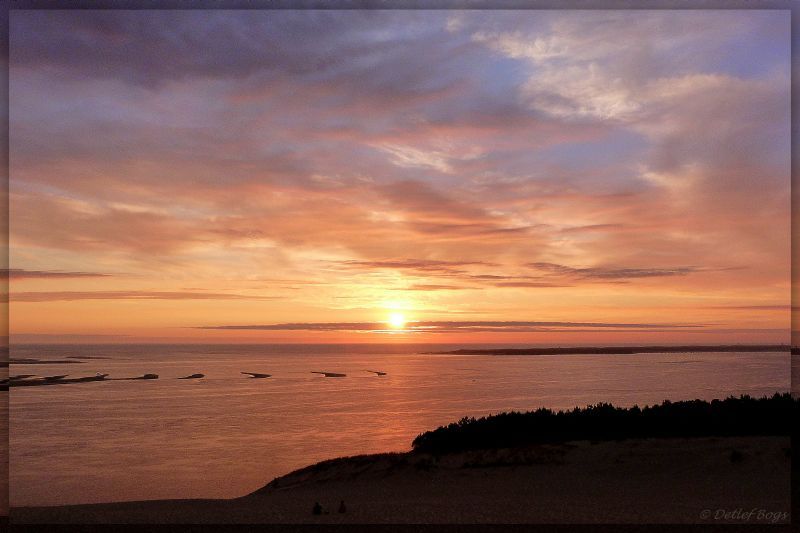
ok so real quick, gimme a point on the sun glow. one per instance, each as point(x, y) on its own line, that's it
point(397, 320)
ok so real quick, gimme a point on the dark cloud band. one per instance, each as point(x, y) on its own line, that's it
point(448, 326)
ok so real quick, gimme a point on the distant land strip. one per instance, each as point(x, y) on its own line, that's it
point(619, 350)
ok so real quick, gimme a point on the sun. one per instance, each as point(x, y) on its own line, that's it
point(397, 320)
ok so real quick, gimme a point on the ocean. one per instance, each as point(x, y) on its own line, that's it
point(226, 435)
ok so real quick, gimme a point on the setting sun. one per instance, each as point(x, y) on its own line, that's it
point(397, 320)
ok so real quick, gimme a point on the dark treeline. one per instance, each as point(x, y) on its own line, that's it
point(620, 350)
point(730, 417)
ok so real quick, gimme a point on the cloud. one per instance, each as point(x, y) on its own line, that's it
point(349, 51)
point(62, 338)
point(592, 228)
point(420, 199)
point(431, 287)
point(370, 151)
point(529, 284)
point(405, 156)
point(20, 273)
point(584, 66)
point(54, 296)
point(68, 224)
point(611, 273)
point(420, 265)
point(454, 326)
point(776, 307)
point(463, 271)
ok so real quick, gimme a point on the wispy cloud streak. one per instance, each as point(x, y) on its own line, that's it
point(52, 296)
point(612, 273)
point(20, 273)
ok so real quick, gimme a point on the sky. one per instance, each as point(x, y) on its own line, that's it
point(543, 177)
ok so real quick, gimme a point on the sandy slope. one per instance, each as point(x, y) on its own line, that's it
point(645, 481)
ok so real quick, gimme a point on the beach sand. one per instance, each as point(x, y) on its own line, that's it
point(633, 481)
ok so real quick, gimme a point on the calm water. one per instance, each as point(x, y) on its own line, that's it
point(226, 435)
